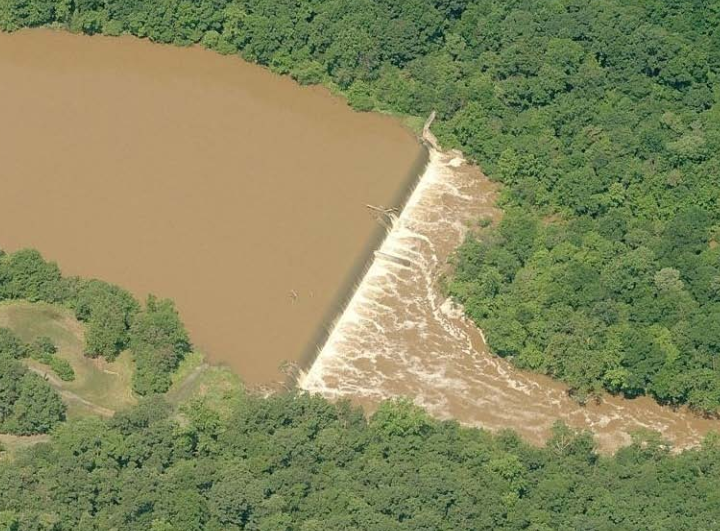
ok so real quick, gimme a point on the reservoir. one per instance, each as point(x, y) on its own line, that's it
point(180, 172)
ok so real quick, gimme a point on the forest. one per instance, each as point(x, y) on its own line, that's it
point(301, 463)
point(601, 119)
point(292, 461)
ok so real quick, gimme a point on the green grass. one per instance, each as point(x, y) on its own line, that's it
point(214, 385)
point(101, 387)
point(10, 444)
point(189, 364)
point(98, 383)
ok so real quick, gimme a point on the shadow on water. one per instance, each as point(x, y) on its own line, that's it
point(356, 274)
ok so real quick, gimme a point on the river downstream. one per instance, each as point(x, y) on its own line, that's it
point(398, 336)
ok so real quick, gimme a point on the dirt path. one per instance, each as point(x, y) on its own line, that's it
point(70, 396)
point(184, 387)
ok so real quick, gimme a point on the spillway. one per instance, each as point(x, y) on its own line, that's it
point(400, 337)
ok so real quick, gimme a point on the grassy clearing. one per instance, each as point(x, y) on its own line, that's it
point(215, 385)
point(99, 386)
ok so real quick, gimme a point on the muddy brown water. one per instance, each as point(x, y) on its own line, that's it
point(197, 177)
point(213, 182)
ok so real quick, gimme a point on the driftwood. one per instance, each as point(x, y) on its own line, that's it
point(384, 216)
point(393, 258)
point(382, 210)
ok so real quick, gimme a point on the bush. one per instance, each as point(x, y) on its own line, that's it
point(62, 368)
point(308, 73)
point(360, 98)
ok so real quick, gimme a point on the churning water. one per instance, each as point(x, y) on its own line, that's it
point(398, 336)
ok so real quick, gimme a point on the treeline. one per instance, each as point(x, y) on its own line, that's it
point(295, 463)
point(601, 118)
point(28, 404)
point(114, 320)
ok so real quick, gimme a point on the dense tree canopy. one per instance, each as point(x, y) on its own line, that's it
point(28, 404)
point(300, 463)
point(158, 342)
point(601, 118)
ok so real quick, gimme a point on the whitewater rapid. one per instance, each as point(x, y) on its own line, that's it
point(400, 337)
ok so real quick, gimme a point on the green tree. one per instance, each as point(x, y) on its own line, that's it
point(26, 275)
point(158, 341)
point(37, 409)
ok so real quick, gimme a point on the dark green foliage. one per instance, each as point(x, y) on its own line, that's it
point(9, 521)
point(11, 345)
point(606, 116)
point(43, 350)
point(28, 404)
point(108, 311)
point(15, 14)
point(300, 463)
point(158, 342)
point(59, 366)
point(578, 302)
point(26, 275)
point(37, 409)
point(43, 345)
point(11, 373)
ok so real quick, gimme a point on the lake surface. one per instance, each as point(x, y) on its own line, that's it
point(197, 177)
